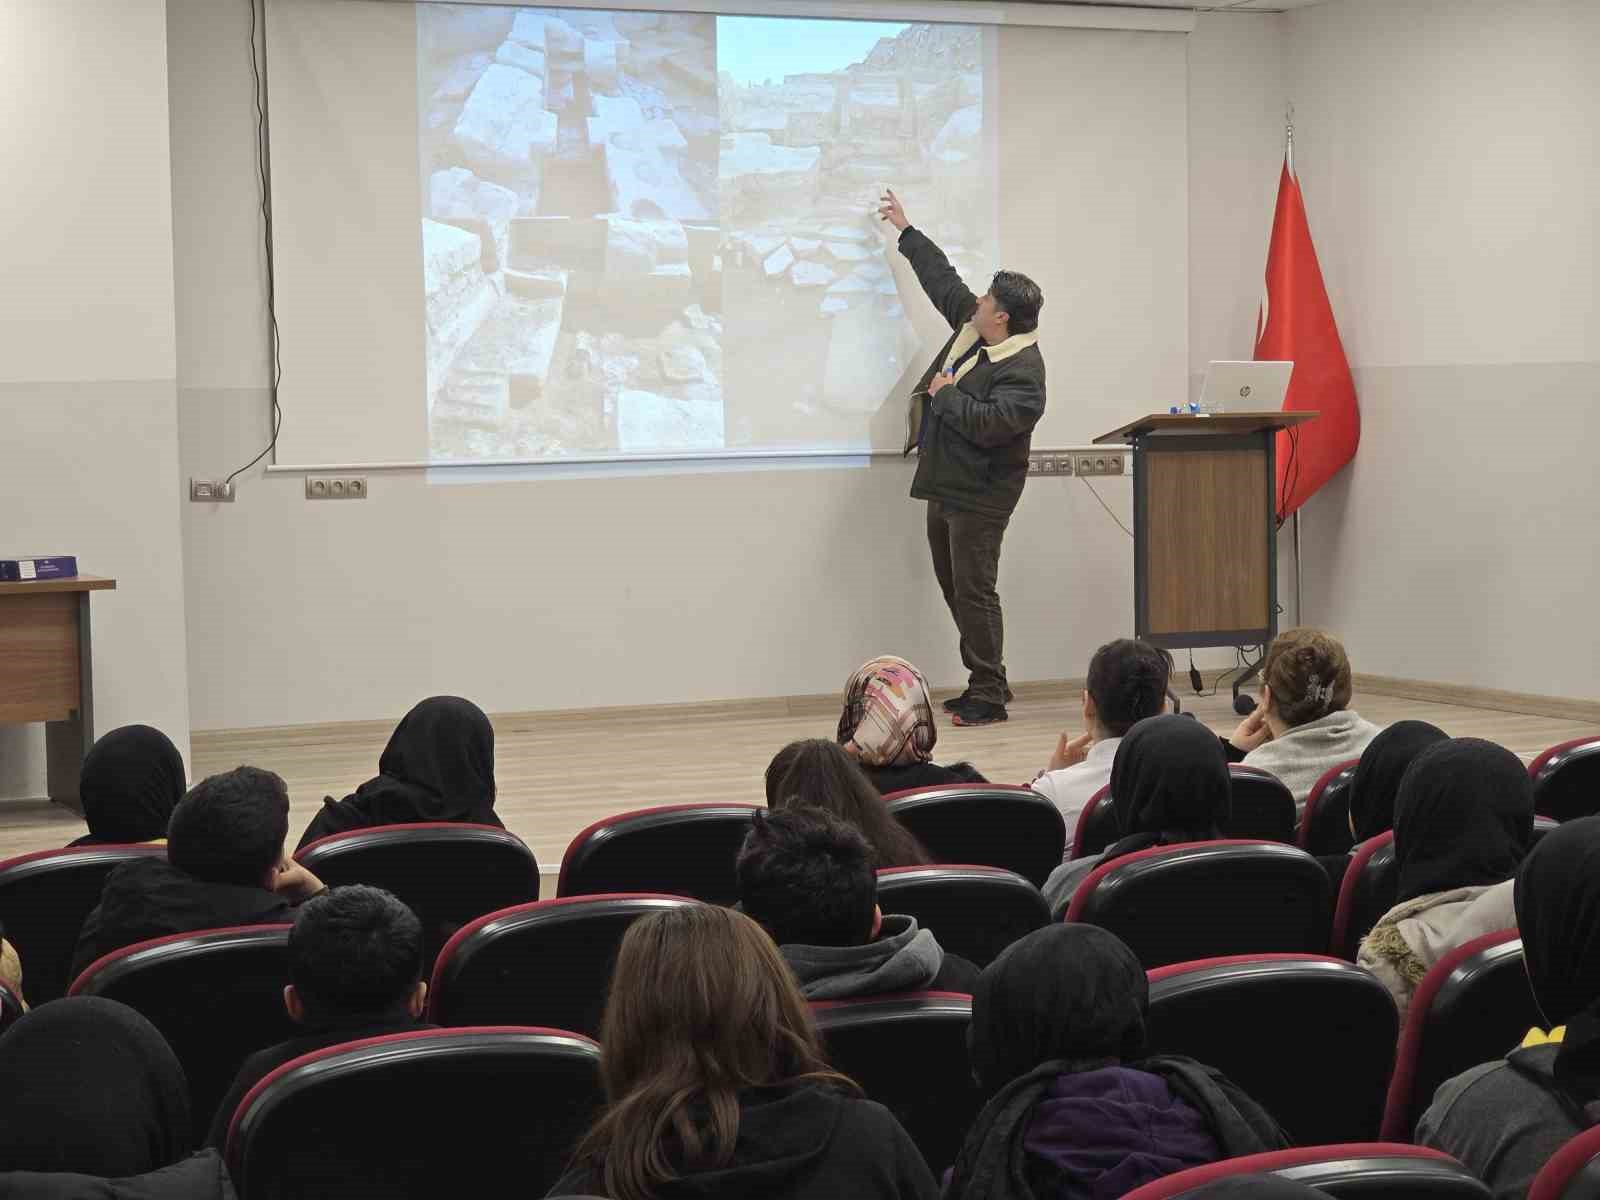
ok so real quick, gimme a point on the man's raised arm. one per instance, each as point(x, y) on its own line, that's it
point(938, 278)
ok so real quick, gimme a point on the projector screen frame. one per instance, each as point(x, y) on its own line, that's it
point(946, 12)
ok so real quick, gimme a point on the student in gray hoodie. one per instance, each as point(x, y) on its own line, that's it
point(809, 879)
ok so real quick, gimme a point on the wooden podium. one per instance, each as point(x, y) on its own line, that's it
point(45, 670)
point(1205, 546)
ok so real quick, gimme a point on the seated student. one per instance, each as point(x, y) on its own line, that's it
point(1463, 821)
point(1076, 1108)
point(224, 866)
point(438, 766)
point(1505, 1119)
point(716, 1085)
point(887, 726)
point(96, 1107)
point(1169, 784)
point(132, 779)
point(818, 774)
point(1376, 783)
point(1302, 725)
point(807, 878)
point(355, 971)
point(1127, 682)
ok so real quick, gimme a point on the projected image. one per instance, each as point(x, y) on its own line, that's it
point(651, 232)
point(817, 116)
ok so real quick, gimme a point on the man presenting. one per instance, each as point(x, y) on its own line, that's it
point(971, 422)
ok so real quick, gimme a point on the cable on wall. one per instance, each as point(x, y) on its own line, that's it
point(258, 54)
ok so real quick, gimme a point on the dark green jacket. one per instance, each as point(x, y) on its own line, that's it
point(976, 433)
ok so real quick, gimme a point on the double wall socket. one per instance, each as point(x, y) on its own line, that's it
point(336, 487)
point(211, 491)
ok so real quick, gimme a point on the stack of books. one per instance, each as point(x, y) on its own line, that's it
point(39, 566)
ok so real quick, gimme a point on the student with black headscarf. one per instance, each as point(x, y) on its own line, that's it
point(438, 766)
point(1505, 1119)
point(1075, 1107)
point(1375, 784)
point(1377, 779)
point(131, 781)
point(1463, 820)
point(1169, 784)
point(95, 1105)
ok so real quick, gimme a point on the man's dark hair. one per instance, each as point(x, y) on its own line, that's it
point(230, 828)
point(1128, 682)
point(1019, 298)
point(354, 951)
point(807, 878)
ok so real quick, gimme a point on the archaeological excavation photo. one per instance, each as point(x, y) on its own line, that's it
point(634, 223)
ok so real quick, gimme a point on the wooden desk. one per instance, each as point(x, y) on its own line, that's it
point(46, 670)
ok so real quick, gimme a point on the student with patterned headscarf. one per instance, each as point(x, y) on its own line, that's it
point(887, 726)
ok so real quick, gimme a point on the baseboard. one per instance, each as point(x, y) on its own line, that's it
point(1478, 697)
point(775, 707)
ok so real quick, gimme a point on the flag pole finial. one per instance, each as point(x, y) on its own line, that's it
point(1288, 135)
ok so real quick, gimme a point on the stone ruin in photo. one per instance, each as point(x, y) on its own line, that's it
point(802, 163)
point(569, 163)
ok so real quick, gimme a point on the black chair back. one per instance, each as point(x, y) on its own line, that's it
point(1263, 807)
point(1310, 1038)
point(44, 898)
point(216, 996)
point(447, 873)
point(1566, 780)
point(975, 912)
point(1358, 1171)
point(445, 1112)
point(1097, 826)
point(909, 1053)
point(537, 964)
point(678, 849)
point(1367, 892)
point(1473, 1005)
point(1325, 824)
point(1209, 899)
point(990, 824)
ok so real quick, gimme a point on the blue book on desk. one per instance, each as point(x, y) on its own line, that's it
point(40, 566)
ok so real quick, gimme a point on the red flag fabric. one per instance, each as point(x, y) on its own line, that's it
point(1296, 324)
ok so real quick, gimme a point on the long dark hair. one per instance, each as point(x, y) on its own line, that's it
point(702, 1007)
point(821, 775)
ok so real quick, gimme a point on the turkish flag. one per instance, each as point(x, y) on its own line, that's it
point(1296, 324)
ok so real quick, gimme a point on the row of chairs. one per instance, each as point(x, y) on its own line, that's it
point(1271, 1021)
point(1170, 904)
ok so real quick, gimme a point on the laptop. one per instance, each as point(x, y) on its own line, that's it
point(1245, 386)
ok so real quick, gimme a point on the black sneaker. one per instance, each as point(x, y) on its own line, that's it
point(956, 702)
point(978, 712)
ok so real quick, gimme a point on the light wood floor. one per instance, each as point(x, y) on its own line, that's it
point(557, 773)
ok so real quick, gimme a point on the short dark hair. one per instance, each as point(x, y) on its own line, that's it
point(1019, 298)
point(230, 828)
point(1128, 682)
point(807, 878)
point(353, 951)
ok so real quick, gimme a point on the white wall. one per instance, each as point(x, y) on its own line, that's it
point(1448, 155)
point(567, 593)
point(88, 425)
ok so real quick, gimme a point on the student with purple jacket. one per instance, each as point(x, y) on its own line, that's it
point(1076, 1108)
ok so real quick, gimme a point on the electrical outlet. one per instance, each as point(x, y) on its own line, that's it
point(1064, 464)
point(211, 491)
point(336, 487)
point(1035, 464)
point(1114, 464)
point(1047, 464)
point(1098, 464)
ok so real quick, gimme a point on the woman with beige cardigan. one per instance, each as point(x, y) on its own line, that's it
point(1303, 724)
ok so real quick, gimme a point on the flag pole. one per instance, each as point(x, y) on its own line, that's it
point(1288, 158)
